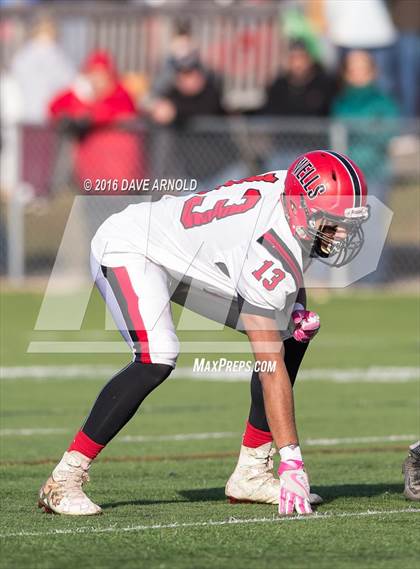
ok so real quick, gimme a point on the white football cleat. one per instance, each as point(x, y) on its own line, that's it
point(253, 479)
point(62, 493)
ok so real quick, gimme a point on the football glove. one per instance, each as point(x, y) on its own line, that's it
point(294, 488)
point(306, 323)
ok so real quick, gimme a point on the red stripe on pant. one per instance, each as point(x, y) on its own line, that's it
point(132, 300)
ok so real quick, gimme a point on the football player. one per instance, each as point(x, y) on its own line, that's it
point(243, 246)
point(411, 471)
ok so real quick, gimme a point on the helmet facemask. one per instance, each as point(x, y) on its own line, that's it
point(337, 251)
point(321, 237)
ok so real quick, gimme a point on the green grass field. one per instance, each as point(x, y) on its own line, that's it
point(163, 496)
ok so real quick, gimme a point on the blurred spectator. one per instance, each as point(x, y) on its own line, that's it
point(182, 47)
point(93, 118)
point(362, 105)
point(193, 91)
point(180, 151)
point(361, 98)
point(406, 16)
point(90, 112)
point(363, 24)
point(303, 90)
point(41, 68)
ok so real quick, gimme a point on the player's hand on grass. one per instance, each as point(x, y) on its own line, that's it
point(294, 488)
point(306, 323)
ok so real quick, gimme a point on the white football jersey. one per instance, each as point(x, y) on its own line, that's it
point(234, 240)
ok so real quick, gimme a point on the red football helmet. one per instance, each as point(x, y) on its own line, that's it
point(324, 191)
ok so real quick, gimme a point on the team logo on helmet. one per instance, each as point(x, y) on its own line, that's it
point(307, 176)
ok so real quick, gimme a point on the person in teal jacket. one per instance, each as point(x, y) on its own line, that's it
point(370, 116)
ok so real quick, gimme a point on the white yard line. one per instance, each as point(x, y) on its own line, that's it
point(354, 440)
point(31, 432)
point(180, 437)
point(58, 373)
point(374, 374)
point(27, 432)
point(210, 523)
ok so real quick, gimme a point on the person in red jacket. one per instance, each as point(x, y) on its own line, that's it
point(94, 111)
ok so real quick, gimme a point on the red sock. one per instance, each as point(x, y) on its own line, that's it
point(85, 445)
point(254, 437)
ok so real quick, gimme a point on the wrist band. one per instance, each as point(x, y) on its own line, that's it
point(290, 452)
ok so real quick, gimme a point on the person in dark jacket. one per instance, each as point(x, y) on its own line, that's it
point(303, 90)
point(194, 92)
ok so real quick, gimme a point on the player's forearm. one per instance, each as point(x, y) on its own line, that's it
point(277, 388)
point(279, 405)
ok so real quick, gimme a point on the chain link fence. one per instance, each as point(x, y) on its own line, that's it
point(52, 168)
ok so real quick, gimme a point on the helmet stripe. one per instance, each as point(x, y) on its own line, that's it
point(357, 186)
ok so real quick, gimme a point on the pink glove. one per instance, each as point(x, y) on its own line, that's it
point(306, 325)
point(294, 488)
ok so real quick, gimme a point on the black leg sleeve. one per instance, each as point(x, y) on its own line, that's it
point(120, 399)
point(293, 356)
